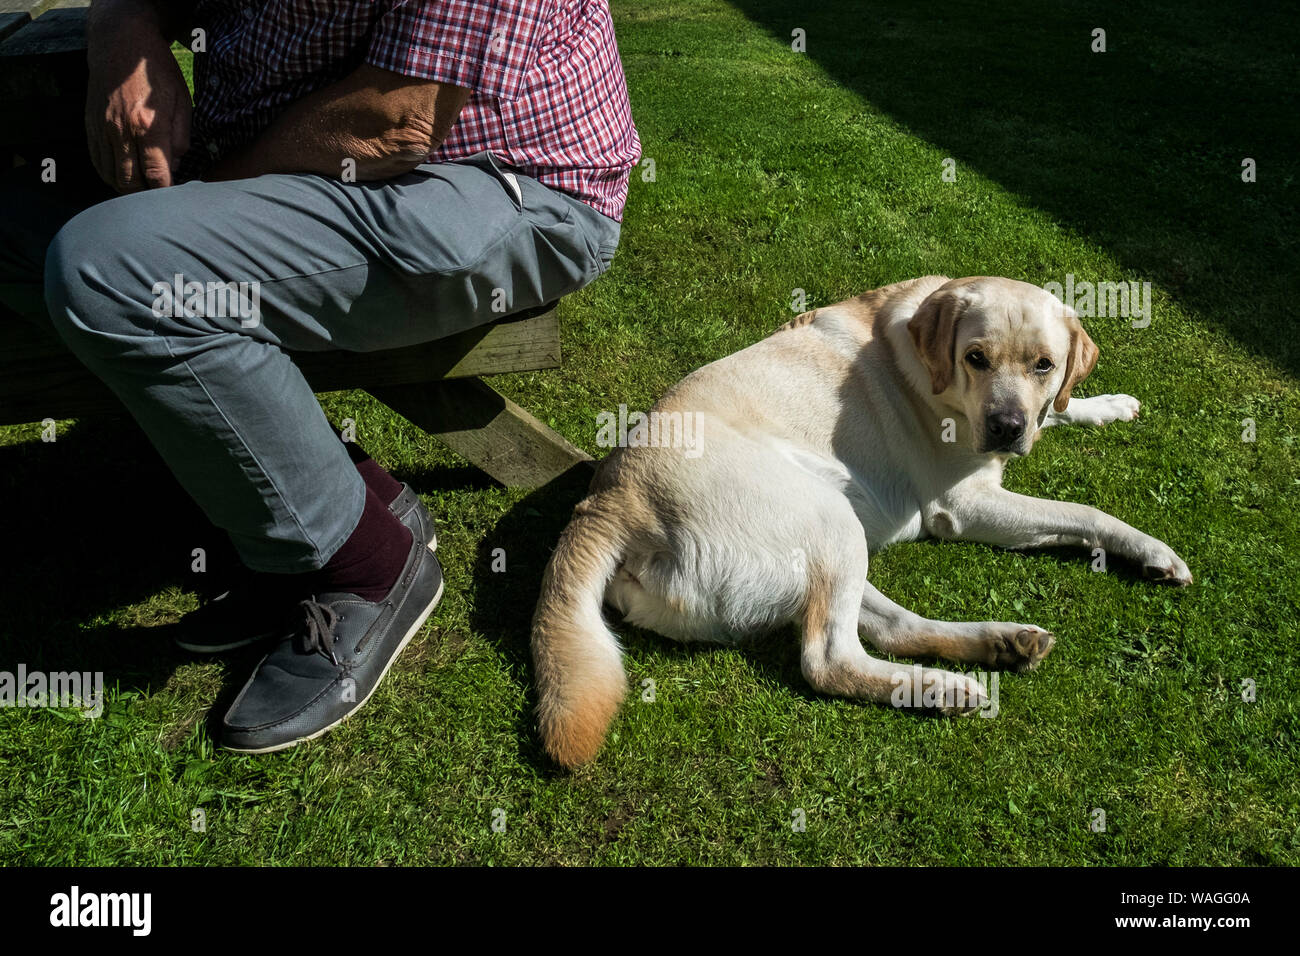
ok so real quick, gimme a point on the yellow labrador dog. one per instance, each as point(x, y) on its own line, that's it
point(885, 418)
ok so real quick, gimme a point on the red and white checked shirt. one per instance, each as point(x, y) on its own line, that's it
point(549, 96)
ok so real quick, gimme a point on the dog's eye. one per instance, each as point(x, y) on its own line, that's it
point(1044, 365)
point(977, 359)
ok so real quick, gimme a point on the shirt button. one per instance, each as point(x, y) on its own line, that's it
point(213, 148)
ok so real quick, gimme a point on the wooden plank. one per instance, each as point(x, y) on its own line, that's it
point(45, 60)
point(11, 22)
point(40, 378)
point(520, 345)
point(492, 432)
point(38, 126)
point(34, 8)
point(58, 31)
point(43, 84)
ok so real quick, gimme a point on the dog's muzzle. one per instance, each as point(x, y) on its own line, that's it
point(1004, 431)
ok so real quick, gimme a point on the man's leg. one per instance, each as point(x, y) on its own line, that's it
point(311, 263)
point(357, 266)
point(238, 606)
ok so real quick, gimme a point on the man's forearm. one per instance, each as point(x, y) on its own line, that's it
point(384, 123)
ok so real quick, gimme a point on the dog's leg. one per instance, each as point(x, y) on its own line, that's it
point(896, 630)
point(993, 515)
point(834, 661)
point(1098, 410)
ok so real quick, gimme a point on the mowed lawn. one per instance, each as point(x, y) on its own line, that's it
point(777, 171)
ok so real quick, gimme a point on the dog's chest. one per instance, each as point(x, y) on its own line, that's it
point(883, 499)
point(888, 509)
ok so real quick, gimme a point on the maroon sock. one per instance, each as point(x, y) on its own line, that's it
point(377, 480)
point(371, 560)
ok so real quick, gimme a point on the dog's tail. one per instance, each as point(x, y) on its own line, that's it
point(579, 666)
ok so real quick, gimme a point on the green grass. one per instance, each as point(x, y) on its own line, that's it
point(776, 171)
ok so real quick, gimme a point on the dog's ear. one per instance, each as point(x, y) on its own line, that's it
point(934, 333)
point(1080, 362)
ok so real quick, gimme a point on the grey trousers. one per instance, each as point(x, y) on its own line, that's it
point(183, 301)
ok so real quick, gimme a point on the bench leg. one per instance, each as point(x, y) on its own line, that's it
point(480, 424)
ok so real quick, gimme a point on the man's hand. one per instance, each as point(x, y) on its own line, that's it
point(137, 103)
point(381, 123)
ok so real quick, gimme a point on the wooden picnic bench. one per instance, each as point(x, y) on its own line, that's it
point(437, 386)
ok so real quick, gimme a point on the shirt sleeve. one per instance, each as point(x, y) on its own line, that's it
point(484, 45)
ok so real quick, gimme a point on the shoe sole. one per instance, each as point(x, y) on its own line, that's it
point(419, 623)
point(250, 641)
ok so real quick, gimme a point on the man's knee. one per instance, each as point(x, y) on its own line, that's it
point(96, 294)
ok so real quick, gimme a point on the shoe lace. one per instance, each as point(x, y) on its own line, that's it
point(319, 632)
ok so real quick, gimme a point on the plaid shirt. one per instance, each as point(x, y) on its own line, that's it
point(548, 93)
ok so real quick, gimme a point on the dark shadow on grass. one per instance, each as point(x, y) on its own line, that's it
point(503, 603)
point(93, 523)
point(1139, 149)
point(428, 480)
point(1116, 565)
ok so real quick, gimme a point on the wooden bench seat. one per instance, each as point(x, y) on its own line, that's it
point(436, 386)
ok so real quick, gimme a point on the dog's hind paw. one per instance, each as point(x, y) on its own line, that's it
point(961, 696)
point(937, 692)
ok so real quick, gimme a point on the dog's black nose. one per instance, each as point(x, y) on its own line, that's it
point(1006, 427)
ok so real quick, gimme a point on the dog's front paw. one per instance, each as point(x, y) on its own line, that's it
point(1019, 646)
point(1160, 563)
point(1104, 409)
point(1124, 408)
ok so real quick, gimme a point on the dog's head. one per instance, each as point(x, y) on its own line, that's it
point(1003, 353)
